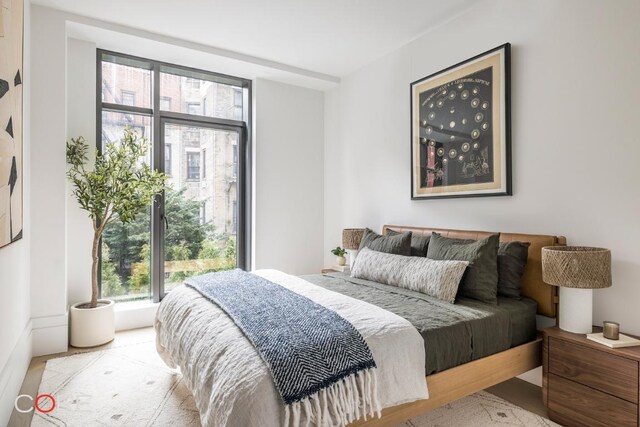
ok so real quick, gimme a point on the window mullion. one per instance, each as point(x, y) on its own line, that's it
point(121, 108)
point(157, 216)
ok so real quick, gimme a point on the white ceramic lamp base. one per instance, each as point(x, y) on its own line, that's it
point(576, 310)
point(352, 257)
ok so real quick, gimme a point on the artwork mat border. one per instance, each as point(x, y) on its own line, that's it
point(503, 52)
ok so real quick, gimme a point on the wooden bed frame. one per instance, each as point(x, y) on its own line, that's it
point(463, 380)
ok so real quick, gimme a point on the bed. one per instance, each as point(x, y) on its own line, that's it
point(462, 380)
point(490, 344)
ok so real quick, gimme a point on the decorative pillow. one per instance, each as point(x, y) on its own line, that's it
point(481, 279)
point(439, 279)
point(419, 244)
point(398, 245)
point(512, 258)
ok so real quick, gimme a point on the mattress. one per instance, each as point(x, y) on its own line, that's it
point(453, 334)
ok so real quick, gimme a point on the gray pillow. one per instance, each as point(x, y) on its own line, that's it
point(398, 245)
point(419, 244)
point(512, 259)
point(439, 279)
point(481, 278)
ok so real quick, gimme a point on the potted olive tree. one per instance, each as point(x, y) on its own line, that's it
point(119, 186)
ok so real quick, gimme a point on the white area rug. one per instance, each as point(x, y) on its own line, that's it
point(479, 410)
point(130, 386)
point(123, 386)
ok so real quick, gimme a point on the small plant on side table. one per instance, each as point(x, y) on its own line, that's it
point(339, 253)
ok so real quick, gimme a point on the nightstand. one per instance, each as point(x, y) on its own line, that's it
point(588, 384)
point(336, 269)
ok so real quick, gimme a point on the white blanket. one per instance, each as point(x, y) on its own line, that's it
point(232, 385)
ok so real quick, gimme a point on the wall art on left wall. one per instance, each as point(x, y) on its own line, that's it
point(11, 136)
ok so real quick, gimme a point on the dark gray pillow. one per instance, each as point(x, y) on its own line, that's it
point(480, 281)
point(512, 258)
point(397, 245)
point(419, 244)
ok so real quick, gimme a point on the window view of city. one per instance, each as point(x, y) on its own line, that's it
point(201, 161)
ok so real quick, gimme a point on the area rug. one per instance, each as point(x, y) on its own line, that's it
point(479, 410)
point(122, 386)
point(130, 386)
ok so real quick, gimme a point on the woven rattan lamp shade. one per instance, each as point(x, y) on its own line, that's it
point(351, 238)
point(576, 267)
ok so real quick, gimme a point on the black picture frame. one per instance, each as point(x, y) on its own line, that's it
point(461, 129)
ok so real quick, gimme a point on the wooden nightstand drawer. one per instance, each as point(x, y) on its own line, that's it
point(573, 404)
point(606, 372)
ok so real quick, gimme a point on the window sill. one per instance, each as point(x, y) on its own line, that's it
point(135, 314)
point(135, 305)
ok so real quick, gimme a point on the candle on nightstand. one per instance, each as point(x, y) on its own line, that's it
point(611, 330)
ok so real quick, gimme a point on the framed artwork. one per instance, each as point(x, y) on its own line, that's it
point(11, 39)
point(461, 129)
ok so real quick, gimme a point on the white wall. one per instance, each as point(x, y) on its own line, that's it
point(48, 182)
point(81, 121)
point(288, 178)
point(575, 93)
point(15, 327)
point(65, 80)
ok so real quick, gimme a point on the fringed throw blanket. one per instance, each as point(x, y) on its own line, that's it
point(320, 363)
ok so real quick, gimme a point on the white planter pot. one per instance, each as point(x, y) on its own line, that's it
point(341, 261)
point(91, 327)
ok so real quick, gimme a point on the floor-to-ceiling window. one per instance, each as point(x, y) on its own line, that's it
point(197, 123)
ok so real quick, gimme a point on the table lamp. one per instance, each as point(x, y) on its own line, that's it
point(577, 270)
point(351, 238)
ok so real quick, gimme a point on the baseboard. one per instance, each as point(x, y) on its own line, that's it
point(13, 373)
point(50, 334)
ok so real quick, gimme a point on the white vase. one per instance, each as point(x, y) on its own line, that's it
point(341, 261)
point(91, 327)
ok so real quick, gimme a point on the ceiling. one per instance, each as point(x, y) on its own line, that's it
point(333, 37)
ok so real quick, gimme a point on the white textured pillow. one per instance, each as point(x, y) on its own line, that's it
point(439, 279)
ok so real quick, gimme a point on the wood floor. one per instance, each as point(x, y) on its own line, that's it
point(516, 391)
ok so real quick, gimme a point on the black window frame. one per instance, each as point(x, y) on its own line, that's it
point(159, 119)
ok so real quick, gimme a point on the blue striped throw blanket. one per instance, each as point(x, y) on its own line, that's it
point(320, 363)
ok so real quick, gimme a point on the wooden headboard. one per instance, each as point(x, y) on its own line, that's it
point(532, 284)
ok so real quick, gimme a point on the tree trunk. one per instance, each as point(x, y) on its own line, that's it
point(94, 269)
